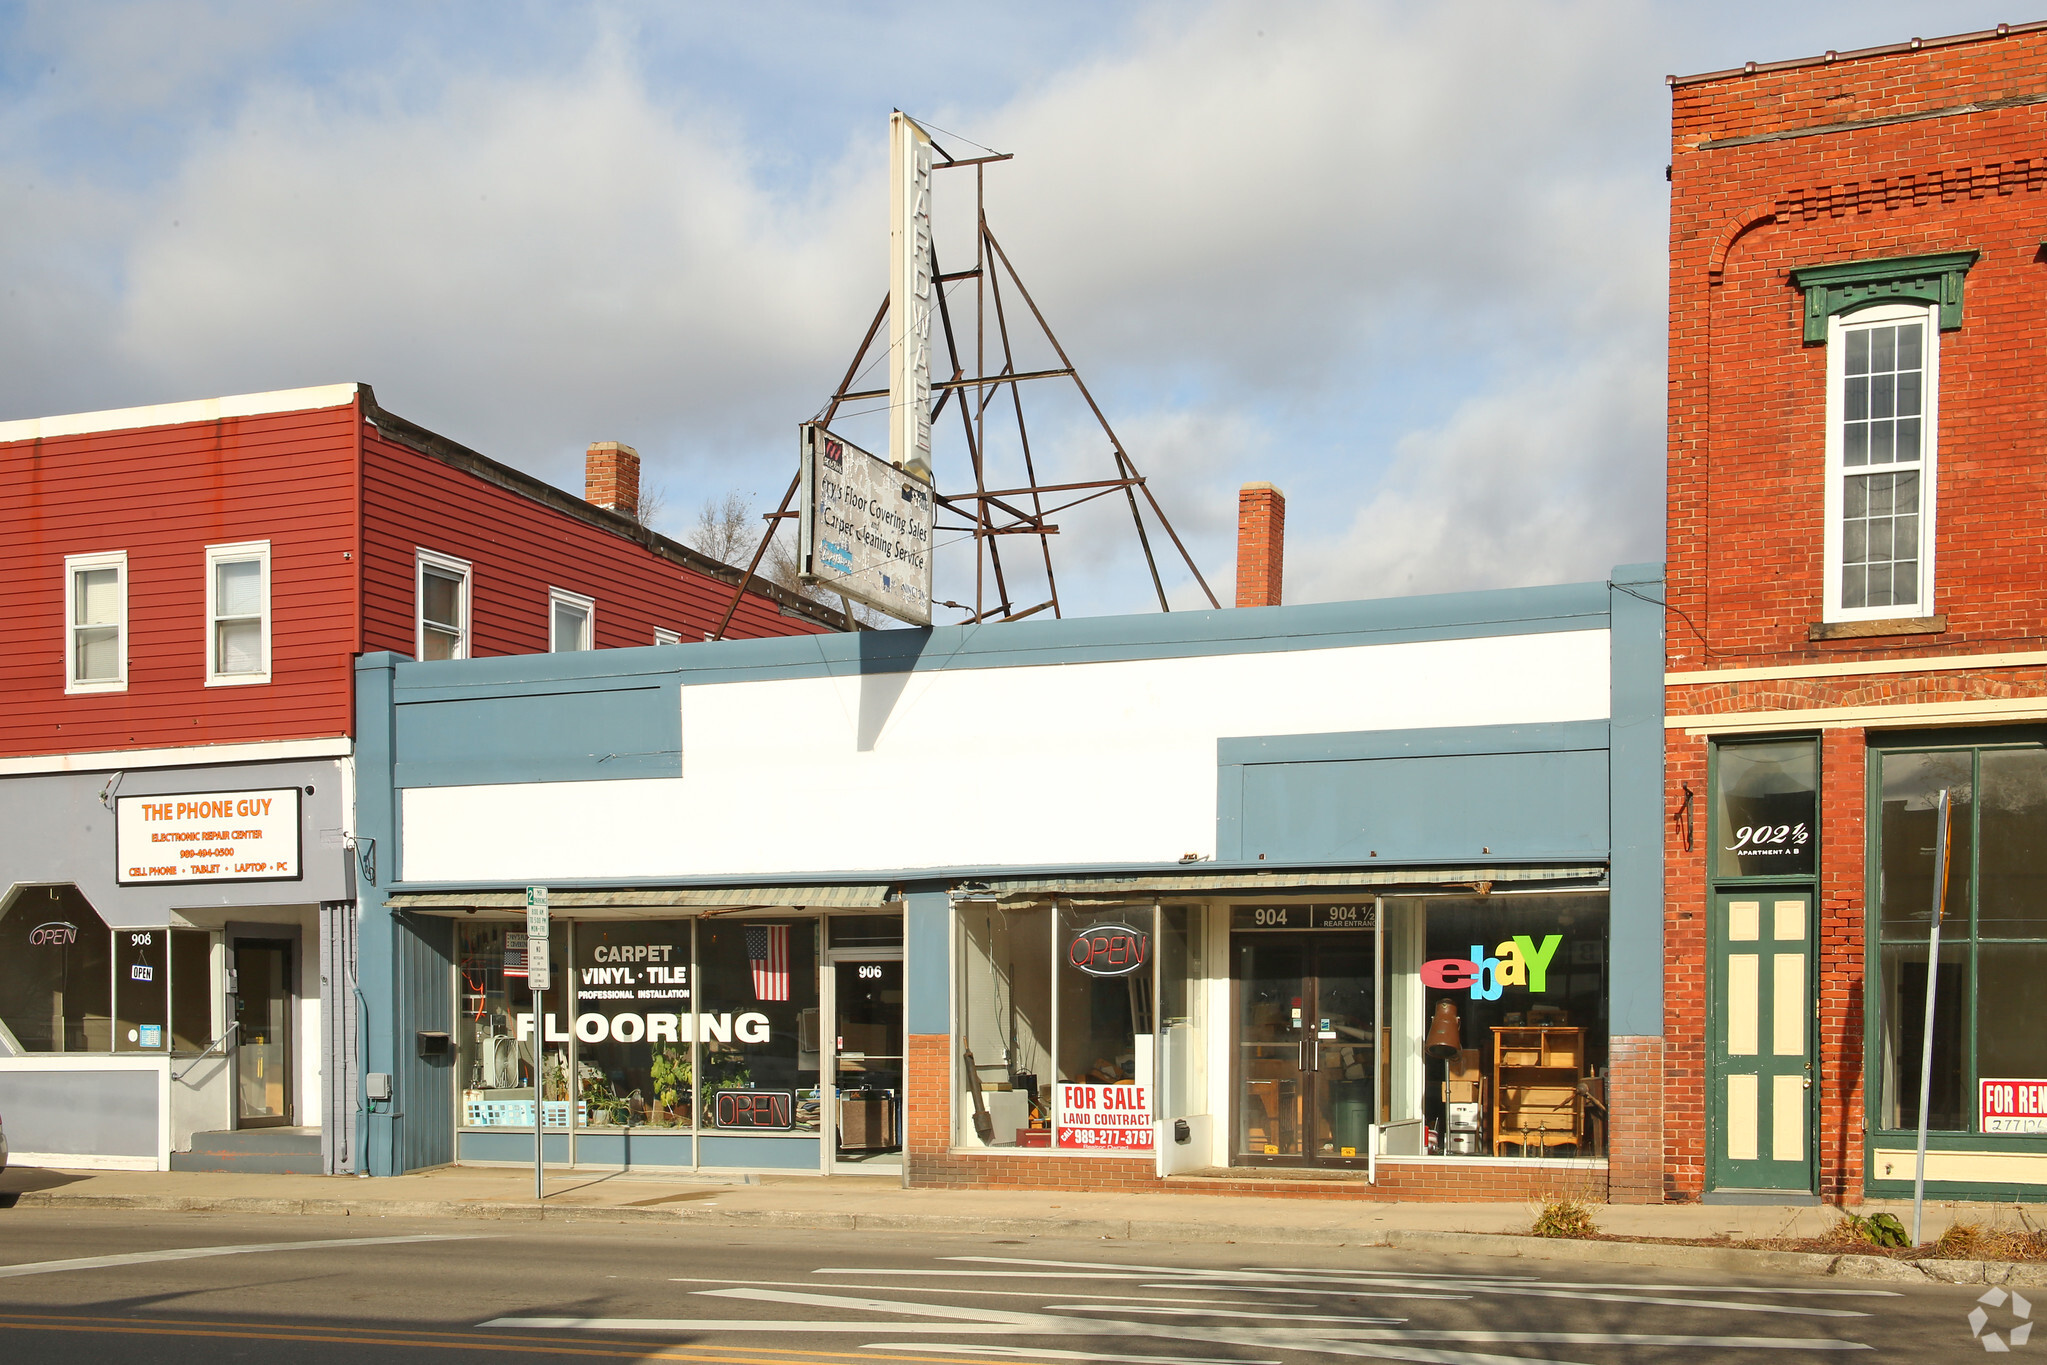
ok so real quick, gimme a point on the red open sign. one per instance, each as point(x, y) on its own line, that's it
point(1108, 950)
point(755, 1109)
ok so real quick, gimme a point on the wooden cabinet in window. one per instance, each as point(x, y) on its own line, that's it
point(1536, 1099)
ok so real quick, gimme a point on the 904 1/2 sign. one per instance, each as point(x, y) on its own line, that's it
point(1352, 915)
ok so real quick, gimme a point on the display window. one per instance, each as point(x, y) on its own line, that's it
point(1060, 1025)
point(690, 1025)
point(757, 1024)
point(56, 973)
point(192, 993)
point(1766, 809)
point(1498, 1006)
point(633, 1060)
point(1989, 1057)
point(497, 1043)
point(142, 981)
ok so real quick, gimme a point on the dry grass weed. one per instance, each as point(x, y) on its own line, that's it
point(1563, 1215)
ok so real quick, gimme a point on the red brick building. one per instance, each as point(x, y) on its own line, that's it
point(1858, 329)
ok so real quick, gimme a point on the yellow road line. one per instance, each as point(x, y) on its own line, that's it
point(459, 1341)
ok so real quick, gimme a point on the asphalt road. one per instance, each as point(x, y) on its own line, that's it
point(204, 1289)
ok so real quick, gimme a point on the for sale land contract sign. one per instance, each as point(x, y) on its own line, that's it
point(1106, 1117)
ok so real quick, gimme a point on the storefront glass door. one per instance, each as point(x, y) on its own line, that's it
point(1305, 1059)
point(867, 1067)
point(263, 1043)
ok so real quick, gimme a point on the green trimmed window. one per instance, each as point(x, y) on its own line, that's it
point(1831, 290)
point(1990, 991)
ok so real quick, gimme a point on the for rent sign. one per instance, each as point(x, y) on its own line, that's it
point(219, 836)
point(2013, 1106)
point(1111, 1117)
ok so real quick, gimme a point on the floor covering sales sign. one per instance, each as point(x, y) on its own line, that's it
point(217, 836)
point(865, 527)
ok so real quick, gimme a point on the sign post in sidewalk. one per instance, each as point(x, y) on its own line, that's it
point(538, 976)
point(1943, 810)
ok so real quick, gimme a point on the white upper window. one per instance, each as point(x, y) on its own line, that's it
point(96, 622)
point(1883, 380)
point(572, 620)
point(666, 637)
point(441, 588)
point(238, 613)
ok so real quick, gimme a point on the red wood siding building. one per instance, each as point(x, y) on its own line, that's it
point(345, 494)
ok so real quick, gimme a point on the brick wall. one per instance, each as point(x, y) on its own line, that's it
point(1635, 1124)
point(1684, 982)
point(931, 1163)
point(1843, 755)
point(1747, 393)
point(1770, 171)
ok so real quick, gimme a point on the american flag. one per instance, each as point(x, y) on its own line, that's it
point(767, 948)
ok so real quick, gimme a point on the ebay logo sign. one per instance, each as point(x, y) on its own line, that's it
point(1517, 962)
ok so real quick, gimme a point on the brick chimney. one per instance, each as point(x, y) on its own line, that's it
point(611, 477)
point(1261, 544)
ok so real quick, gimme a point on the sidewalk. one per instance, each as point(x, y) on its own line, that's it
point(854, 1203)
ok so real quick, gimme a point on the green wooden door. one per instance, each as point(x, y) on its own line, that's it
point(1759, 1056)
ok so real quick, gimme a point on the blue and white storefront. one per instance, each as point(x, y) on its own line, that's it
point(1370, 886)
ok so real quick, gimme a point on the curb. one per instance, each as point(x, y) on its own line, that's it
point(1726, 1260)
point(1731, 1260)
point(1076, 1229)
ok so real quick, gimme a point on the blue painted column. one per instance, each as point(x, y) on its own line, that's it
point(1635, 957)
point(376, 833)
point(1636, 767)
point(927, 982)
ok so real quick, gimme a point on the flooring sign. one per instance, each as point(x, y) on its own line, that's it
point(1059, 1310)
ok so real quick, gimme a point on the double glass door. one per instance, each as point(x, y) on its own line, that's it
point(1306, 1063)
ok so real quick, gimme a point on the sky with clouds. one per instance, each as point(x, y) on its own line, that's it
point(1404, 260)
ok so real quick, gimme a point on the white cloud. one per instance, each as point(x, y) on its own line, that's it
point(526, 264)
point(1404, 260)
point(1555, 480)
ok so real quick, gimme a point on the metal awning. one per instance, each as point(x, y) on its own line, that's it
point(1377, 880)
point(626, 904)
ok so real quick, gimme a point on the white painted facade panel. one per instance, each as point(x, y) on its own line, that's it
point(1073, 764)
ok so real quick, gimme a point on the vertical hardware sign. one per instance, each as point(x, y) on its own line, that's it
point(864, 527)
point(909, 295)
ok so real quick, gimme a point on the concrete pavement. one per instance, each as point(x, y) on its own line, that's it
point(879, 1203)
point(202, 1289)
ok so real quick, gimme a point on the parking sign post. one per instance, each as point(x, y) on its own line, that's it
point(538, 971)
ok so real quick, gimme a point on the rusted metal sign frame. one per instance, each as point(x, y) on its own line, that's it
point(991, 514)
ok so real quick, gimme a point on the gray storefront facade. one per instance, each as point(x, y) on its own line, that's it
point(176, 952)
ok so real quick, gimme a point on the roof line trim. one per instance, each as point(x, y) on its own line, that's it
point(453, 453)
point(312, 399)
point(1880, 121)
point(1885, 50)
